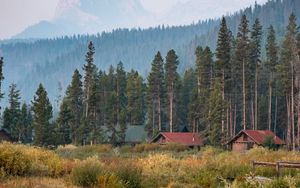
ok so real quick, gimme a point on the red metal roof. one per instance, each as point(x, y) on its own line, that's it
point(188, 139)
point(259, 136)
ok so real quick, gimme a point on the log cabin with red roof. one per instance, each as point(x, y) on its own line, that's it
point(184, 138)
point(247, 139)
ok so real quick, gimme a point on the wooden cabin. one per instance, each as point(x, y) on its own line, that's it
point(5, 136)
point(247, 139)
point(183, 138)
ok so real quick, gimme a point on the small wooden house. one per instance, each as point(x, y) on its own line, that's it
point(5, 136)
point(247, 139)
point(183, 138)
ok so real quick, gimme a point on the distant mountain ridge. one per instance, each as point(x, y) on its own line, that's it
point(50, 61)
point(93, 16)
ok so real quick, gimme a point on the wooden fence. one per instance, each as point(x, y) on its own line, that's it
point(278, 165)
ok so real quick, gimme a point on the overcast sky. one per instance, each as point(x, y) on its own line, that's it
point(16, 15)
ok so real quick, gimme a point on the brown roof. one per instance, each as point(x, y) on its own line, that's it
point(259, 136)
point(188, 139)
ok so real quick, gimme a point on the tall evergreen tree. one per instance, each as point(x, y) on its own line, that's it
point(42, 110)
point(223, 67)
point(214, 116)
point(121, 82)
point(171, 80)
point(90, 70)
point(135, 91)
point(64, 123)
point(12, 114)
point(271, 62)
point(289, 58)
point(74, 99)
point(155, 95)
point(255, 51)
point(242, 60)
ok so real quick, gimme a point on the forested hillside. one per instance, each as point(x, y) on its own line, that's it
point(50, 60)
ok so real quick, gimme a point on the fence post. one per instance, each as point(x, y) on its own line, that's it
point(253, 166)
point(278, 168)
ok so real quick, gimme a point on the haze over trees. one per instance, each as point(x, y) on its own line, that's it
point(227, 89)
point(33, 59)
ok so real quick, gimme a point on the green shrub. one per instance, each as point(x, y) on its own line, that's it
point(278, 183)
point(111, 181)
point(207, 179)
point(129, 173)
point(13, 161)
point(86, 173)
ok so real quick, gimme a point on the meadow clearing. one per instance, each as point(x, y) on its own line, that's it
point(143, 165)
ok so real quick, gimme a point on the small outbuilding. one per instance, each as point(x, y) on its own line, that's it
point(247, 139)
point(5, 136)
point(183, 138)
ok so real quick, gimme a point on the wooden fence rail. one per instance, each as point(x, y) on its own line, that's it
point(278, 165)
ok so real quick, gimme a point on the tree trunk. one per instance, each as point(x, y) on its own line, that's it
point(275, 118)
point(252, 115)
point(223, 98)
point(234, 125)
point(244, 98)
point(159, 114)
point(256, 101)
point(288, 136)
point(227, 122)
point(230, 118)
point(292, 111)
point(153, 117)
point(270, 105)
point(171, 110)
point(298, 121)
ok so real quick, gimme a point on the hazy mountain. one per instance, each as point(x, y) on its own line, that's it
point(92, 16)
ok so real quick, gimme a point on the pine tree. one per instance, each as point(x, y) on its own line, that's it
point(121, 82)
point(42, 110)
point(214, 116)
point(155, 95)
point(255, 51)
point(242, 59)
point(25, 122)
point(187, 90)
point(111, 107)
point(271, 62)
point(88, 126)
point(64, 123)
point(223, 67)
point(90, 70)
point(135, 91)
point(74, 99)
point(171, 78)
point(12, 114)
point(289, 62)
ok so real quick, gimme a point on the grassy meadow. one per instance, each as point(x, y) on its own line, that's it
point(144, 165)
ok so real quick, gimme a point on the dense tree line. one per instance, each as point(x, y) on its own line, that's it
point(32, 59)
point(224, 92)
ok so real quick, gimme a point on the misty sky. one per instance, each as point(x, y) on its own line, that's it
point(16, 15)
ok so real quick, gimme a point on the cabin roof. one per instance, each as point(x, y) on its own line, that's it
point(258, 136)
point(188, 139)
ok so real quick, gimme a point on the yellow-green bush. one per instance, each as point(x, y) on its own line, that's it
point(44, 162)
point(13, 161)
point(127, 171)
point(111, 181)
point(86, 172)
